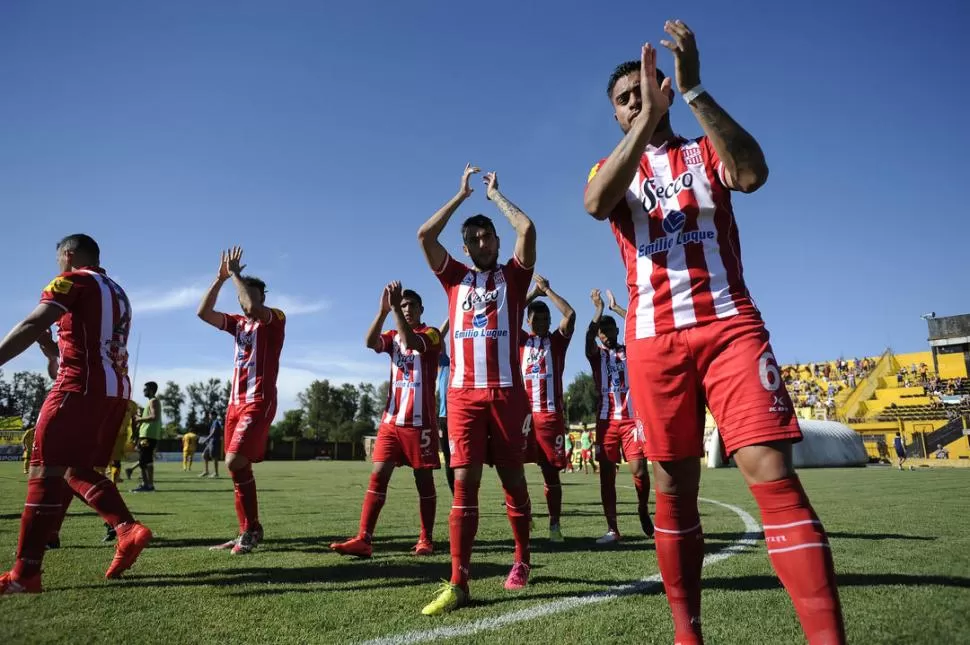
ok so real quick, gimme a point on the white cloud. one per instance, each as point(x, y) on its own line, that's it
point(187, 297)
point(179, 298)
point(294, 306)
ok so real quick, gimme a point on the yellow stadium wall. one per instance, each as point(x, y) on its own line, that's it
point(914, 358)
point(951, 365)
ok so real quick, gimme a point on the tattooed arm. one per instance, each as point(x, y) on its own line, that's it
point(745, 168)
point(525, 230)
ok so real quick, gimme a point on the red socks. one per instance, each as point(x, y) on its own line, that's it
point(373, 503)
point(680, 555)
point(799, 551)
point(247, 507)
point(428, 503)
point(99, 493)
point(463, 525)
point(519, 509)
point(608, 493)
point(43, 510)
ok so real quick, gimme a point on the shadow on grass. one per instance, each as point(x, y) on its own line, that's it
point(761, 583)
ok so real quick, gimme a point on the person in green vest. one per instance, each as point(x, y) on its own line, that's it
point(568, 447)
point(149, 432)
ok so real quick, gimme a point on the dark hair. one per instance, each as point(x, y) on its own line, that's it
point(606, 320)
point(537, 306)
point(477, 221)
point(253, 281)
point(151, 385)
point(623, 69)
point(80, 242)
point(410, 294)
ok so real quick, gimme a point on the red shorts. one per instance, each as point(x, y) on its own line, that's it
point(77, 431)
point(407, 446)
point(726, 364)
point(617, 439)
point(247, 429)
point(585, 454)
point(548, 439)
point(488, 426)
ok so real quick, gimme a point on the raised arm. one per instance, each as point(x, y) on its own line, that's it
point(568, 322)
point(610, 182)
point(592, 349)
point(206, 309)
point(403, 328)
point(428, 234)
point(525, 230)
point(373, 338)
point(614, 307)
point(444, 327)
point(29, 330)
point(745, 168)
point(253, 309)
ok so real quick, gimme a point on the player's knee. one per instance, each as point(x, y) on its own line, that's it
point(765, 462)
point(383, 469)
point(677, 477)
point(639, 469)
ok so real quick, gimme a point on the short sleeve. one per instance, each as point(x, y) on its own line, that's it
point(387, 342)
point(519, 276)
point(277, 317)
point(711, 160)
point(230, 322)
point(562, 340)
point(452, 272)
point(63, 291)
point(431, 338)
point(592, 172)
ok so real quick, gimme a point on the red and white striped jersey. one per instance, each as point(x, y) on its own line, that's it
point(257, 360)
point(610, 379)
point(485, 310)
point(543, 362)
point(410, 399)
point(92, 333)
point(679, 241)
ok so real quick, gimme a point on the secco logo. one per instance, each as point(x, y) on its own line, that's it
point(479, 299)
point(653, 193)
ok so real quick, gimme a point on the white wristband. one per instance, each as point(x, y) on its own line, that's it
point(693, 93)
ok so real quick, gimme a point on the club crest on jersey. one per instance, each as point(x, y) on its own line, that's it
point(480, 321)
point(692, 156)
point(673, 222)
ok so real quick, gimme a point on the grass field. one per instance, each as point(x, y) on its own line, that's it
point(901, 542)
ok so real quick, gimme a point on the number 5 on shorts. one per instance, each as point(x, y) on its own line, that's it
point(425, 438)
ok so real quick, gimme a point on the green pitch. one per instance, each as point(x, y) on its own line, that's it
point(901, 542)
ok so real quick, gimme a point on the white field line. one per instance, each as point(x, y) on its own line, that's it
point(752, 532)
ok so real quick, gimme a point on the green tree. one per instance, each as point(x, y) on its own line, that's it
point(583, 399)
point(207, 397)
point(367, 406)
point(27, 392)
point(291, 425)
point(172, 400)
point(327, 407)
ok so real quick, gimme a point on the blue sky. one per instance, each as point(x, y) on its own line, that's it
point(320, 137)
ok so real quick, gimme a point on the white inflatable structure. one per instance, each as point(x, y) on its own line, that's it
point(824, 444)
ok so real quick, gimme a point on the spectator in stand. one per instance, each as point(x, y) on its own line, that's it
point(851, 380)
point(941, 453)
point(827, 371)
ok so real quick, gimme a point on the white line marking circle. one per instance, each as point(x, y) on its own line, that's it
point(752, 532)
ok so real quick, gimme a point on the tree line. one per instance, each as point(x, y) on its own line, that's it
point(327, 411)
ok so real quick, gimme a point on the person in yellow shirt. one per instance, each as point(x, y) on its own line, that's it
point(190, 442)
point(28, 443)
